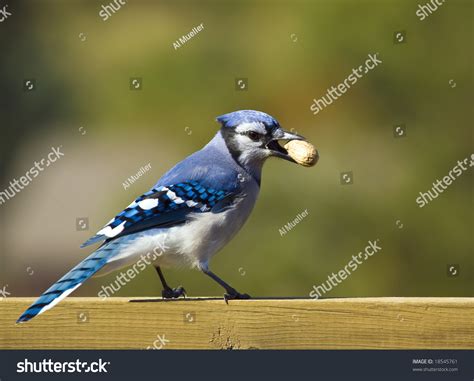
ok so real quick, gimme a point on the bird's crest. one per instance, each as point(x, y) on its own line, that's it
point(236, 118)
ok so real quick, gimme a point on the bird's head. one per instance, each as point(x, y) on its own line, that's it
point(253, 136)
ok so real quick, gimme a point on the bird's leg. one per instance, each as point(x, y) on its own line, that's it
point(169, 292)
point(231, 293)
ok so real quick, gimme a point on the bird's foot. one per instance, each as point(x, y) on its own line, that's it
point(235, 295)
point(173, 293)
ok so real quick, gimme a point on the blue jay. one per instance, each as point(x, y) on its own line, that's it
point(198, 206)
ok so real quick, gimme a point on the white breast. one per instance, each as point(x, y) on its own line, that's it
point(207, 233)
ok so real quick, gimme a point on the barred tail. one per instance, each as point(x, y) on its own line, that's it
point(69, 282)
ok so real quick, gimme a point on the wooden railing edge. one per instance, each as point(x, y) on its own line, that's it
point(210, 323)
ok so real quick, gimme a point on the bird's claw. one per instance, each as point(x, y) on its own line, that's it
point(173, 293)
point(235, 295)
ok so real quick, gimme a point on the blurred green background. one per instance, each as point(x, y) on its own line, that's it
point(291, 52)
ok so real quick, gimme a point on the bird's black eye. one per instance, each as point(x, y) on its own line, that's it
point(253, 135)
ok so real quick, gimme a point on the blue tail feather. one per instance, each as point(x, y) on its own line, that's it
point(69, 282)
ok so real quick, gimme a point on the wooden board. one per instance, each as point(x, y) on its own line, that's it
point(360, 323)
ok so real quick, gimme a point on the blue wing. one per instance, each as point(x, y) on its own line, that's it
point(163, 206)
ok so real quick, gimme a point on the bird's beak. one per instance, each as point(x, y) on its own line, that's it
point(276, 149)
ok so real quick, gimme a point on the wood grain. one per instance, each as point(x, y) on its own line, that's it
point(361, 323)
